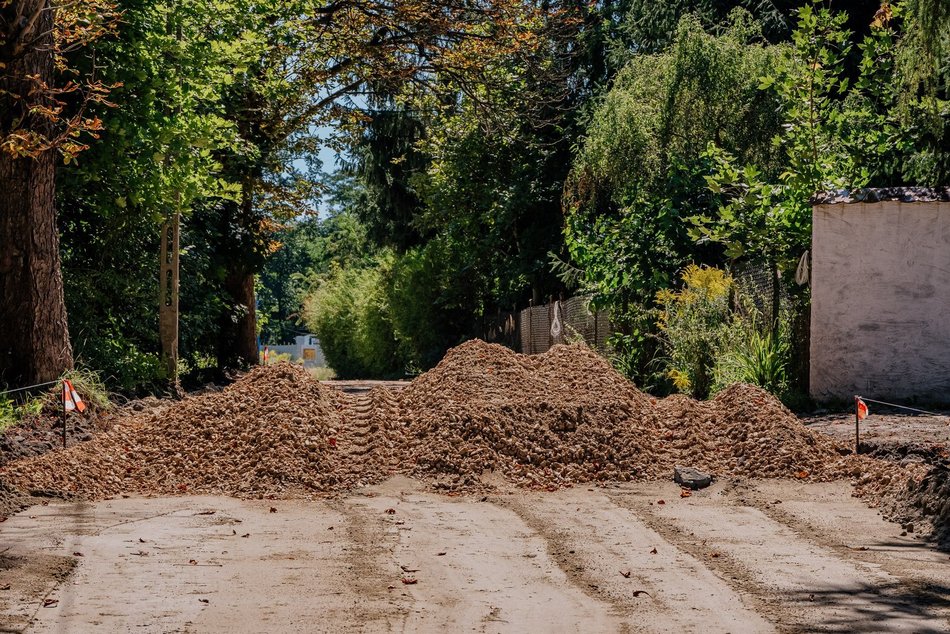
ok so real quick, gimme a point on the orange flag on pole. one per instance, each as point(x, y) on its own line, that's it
point(862, 410)
point(71, 400)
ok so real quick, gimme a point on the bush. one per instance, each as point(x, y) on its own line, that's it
point(349, 312)
point(754, 357)
point(693, 324)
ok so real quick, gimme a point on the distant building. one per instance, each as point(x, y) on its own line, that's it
point(305, 348)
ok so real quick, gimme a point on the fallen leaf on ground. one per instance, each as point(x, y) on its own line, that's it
point(637, 593)
point(801, 475)
point(685, 493)
point(625, 573)
point(661, 501)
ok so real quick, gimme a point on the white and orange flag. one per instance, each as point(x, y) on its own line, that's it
point(862, 408)
point(71, 400)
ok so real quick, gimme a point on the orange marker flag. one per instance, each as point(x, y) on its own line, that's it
point(862, 409)
point(71, 400)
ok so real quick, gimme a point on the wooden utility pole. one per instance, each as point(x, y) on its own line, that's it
point(168, 295)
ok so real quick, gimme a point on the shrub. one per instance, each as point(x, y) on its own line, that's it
point(349, 313)
point(693, 323)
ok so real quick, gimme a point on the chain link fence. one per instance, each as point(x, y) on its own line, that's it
point(535, 329)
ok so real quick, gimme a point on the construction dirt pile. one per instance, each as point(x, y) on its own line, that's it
point(546, 420)
point(271, 431)
point(484, 415)
point(567, 417)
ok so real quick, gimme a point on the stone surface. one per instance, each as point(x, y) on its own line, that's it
point(692, 478)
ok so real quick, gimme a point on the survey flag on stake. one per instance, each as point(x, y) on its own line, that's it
point(862, 410)
point(71, 400)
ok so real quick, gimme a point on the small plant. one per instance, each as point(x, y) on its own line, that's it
point(759, 359)
point(692, 324)
point(322, 374)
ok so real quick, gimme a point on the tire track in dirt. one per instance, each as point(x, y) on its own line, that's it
point(478, 567)
point(799, 584)
point(598, 543)
point(856, 532)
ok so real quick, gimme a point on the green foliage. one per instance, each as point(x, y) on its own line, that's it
point(751, 356)
point(692, 324)
point(349, 312)
point(640, 169)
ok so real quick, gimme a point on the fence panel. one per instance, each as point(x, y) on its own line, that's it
point(535, 329)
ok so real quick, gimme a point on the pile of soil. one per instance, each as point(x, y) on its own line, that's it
point(567, 417)
point(547, 420)
point(485, 412)
point(270, 432)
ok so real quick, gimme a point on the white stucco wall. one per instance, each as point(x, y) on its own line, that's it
point(880, 315)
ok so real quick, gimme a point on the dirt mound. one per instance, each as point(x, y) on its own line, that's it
point(269, 432)
point(567, 416)
point(555, 418)
point(485, 412)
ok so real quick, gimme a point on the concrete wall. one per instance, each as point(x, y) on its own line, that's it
point(880, 316)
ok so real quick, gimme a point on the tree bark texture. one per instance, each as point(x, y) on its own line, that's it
point(238, 343)
point(34, 341)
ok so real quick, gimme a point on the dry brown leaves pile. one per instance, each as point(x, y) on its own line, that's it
point(484, 412)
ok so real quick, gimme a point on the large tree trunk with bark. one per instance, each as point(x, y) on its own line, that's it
point(238, 336)
point(238, 347)
point(34, 341)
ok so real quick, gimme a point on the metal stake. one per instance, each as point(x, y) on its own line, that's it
point(63, 398)
point(857, 420)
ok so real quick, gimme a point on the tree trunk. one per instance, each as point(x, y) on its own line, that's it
point(238, 344)
point(239, 339)
point(34, 341)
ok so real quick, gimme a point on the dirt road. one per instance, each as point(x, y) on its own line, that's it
point(739, 557)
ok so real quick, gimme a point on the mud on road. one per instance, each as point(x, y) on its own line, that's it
point(742, 556)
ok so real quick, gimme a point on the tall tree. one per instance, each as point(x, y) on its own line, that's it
point(304, 59)
point(41, 110)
